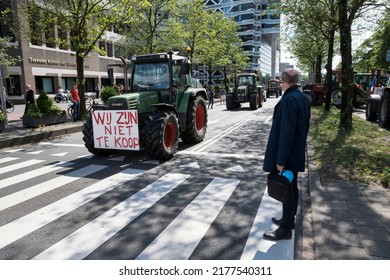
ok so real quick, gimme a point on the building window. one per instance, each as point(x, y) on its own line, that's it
point(62, 39)
point(119, 51)
point(110, 52)
point(102, 45)
point(6, 21)
point(36, 28)
point(50, 36)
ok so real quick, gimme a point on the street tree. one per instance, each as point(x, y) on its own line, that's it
point(216, 43)
point(316, 23)
point(8, 35)
point(6, 59)
point(373, 51)
point(145, 34)
point(84, 23)
point(349, 11)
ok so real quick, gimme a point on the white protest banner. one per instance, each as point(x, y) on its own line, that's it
point(115, 129)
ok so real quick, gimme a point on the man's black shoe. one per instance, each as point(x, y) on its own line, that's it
point(278, 222)
point(278, 234)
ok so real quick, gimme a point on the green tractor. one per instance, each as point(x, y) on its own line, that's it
point(245, 90)
point(164, 103)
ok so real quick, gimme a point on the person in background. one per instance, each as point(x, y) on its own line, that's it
point(74, 96)
point(286, 147)
point(97, 89)
point(223, 96)
point(211, 98)
point(121, 89)
point(30, 98)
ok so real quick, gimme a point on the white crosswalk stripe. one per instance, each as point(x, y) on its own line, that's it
point(7, 159)
point(47, 186)
point(20, 165)
point(31, 174)
point(33, 221)
point(256, 247)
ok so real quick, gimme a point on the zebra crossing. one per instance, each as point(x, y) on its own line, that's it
point(92, 210)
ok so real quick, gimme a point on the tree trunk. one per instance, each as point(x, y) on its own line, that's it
point(318, 69)
point(346, 65)
point(225, 80)
point(210, 75)
point(329, 67)
point(81, 83)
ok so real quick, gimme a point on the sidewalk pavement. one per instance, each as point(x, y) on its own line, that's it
point(16, 134)
point(340, 221)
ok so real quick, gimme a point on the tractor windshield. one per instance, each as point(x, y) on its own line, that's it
point(273, 84)
point(150, 76)
point(244, 80)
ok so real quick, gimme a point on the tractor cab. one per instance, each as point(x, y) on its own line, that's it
point(246, 84)
point(274, 88)
point(246, 90)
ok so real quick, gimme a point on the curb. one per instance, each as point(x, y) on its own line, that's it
point(305, 241)
point(22, 136)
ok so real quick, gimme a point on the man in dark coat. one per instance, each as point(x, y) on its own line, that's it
point(286, 146)
point(29, 98)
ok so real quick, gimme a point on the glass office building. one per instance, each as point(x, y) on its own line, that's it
point(259, 29)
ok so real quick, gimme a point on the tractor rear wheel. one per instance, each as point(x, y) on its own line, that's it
point(384, 111)
point(261, 99)
point(336, 98)
point(161, 135)
point(196, 125)
point(89, 140)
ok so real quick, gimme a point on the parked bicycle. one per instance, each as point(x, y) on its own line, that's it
point(9, 105)
point(88, 103)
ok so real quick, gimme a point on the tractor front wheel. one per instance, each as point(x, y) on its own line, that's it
point(162, 135)
point(370, 114)
point(196, 125)
point(230, 102)
point(254, 101)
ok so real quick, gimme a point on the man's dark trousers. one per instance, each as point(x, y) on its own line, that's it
point(290, 206)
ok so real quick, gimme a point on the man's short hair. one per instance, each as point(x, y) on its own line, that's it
point(290, 76)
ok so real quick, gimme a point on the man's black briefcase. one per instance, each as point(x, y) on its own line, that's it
point(279, 187)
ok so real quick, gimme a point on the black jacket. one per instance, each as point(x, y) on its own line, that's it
point(290, 126)
point(30, 97)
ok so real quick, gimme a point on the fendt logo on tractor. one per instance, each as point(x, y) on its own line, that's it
point(163, 104)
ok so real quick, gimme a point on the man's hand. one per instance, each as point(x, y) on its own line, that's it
point(279, 168)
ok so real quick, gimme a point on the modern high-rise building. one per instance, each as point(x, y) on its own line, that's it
point(259, 29)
